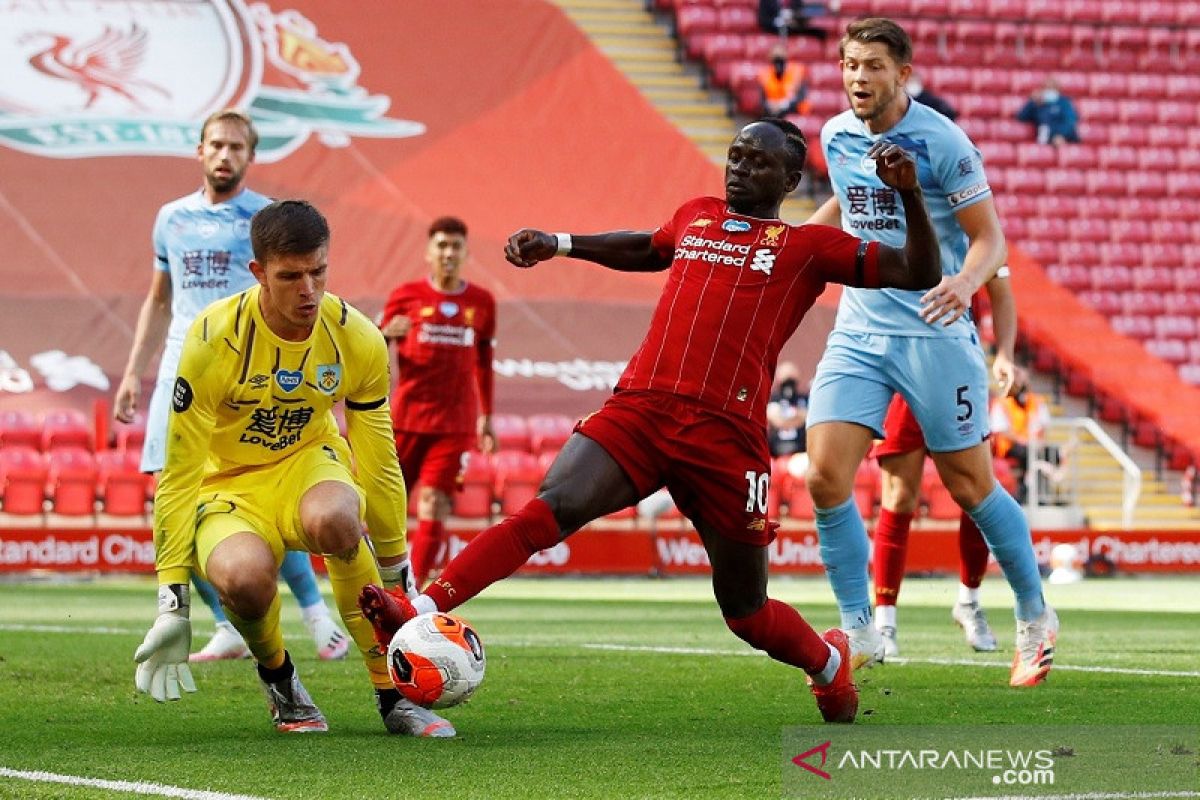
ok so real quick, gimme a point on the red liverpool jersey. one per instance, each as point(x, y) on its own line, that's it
point(447, 352)
point(736, 290)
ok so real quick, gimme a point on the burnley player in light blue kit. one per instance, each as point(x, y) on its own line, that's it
point(202, 254)
point(921, 344)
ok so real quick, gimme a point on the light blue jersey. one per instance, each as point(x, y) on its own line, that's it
point(951, 173)
point(206, 249)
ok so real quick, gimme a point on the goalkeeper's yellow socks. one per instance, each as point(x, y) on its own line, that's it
point(348, 576)
point(263, 636)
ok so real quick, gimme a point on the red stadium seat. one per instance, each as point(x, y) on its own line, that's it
point(1173, 351)
point(19, 427)
point(1156, 13)
point(23, 475)
point(1117, 157)
point(549, 432)
point(1138, 111)
point(1181, 303)
point(1142, 302)
point(1019, 179)
point(512, 432)
point(737, 19)
point(1066, 181)
point(1108, 84)
point(1187, 279)
point(1123, 133)
point(1084, 229)
point(998, 154)
point(1184, 184)
point(122, 488)
point(1116, 277)
point(1070, 276)
point(1040, 250)
point(1122, 254)
point(1153, 278)
point(478, 483)
point(1119, 11)
point(867, 487)
point(939, 504)
point(1182, 86)
point(129, 438)
point(799, 501)
point(518, 476)
point(1032, 154)
point(66, 427)
point(1105, 182)
point(1137, 326)
point(1096, 109)
point(1081, 252)
point(1162, 254)
point(1048, 228)
point(72, 481)
point(1106, 302)
point(1174, 326)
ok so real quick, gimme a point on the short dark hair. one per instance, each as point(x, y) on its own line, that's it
point(448, 225)
point(879, 29)
point(797, 145)
point(232, 115)
point(287, 228)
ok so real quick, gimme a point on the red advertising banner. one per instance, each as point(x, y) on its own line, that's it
point(622, 552)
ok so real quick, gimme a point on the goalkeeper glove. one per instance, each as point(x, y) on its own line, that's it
point(162, 657)
point(399, 575)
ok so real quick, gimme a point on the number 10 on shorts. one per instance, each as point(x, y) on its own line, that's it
point(757, 498)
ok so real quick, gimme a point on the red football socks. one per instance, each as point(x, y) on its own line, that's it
point(972, 553)
point(891, 545)
point(779, 629)
point(495, 554)
point(424, 547)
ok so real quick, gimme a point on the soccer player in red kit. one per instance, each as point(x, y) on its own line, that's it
point(689, 413)
point(444, 329)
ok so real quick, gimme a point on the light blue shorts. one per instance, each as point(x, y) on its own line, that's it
point(944, 380)
point(154, 449)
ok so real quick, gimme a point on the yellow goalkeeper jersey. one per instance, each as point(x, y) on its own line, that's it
point(245, 398)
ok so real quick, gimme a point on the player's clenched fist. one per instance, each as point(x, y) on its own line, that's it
point(527, 247)
point(162, 657)
point(894, 165)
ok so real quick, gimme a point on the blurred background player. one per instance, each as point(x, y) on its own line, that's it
point(194, 266)
point(901, 457)
point(444, 330)
point(274, 473)
point(922, 345)
point(689, 412)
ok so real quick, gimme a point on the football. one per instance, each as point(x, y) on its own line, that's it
point(436, 660)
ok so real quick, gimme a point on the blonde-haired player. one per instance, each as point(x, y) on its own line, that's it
point(256, 466)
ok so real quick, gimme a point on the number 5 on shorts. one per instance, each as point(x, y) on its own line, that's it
point(965, 404)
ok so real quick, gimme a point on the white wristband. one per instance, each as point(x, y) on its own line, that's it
point(1003, 272)
point(564, 244)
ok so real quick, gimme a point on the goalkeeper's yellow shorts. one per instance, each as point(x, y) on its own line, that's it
point(265, 500)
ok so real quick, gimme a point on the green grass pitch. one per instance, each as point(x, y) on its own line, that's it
point(594, 689)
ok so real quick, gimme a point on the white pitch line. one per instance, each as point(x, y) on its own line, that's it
point(1087, 796)
point(129, 787)
point(686, 651)
point(945, 662)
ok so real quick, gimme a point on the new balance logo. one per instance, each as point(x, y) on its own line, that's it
point(764, 261)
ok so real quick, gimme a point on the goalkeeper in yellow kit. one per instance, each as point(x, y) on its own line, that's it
point(255, 466)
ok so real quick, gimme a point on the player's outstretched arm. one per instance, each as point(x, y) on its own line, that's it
point(918, 265)
point(625, 251)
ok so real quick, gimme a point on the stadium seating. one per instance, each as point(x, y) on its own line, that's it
point(21, 428)
point(23, 473)
point(72, 481)
point(1114, 217)
point(66, 427)
point(518, 476)
point(122, 488)
point(478, 482)
point(549, 432)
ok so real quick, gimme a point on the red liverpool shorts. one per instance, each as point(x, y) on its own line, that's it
point(716, 467)
point(432, 459)
point(901, 431)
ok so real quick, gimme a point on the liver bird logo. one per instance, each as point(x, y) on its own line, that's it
point(103, 65)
